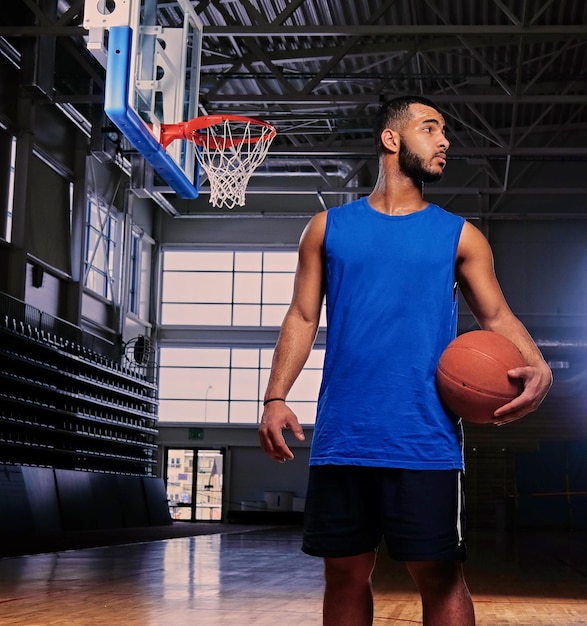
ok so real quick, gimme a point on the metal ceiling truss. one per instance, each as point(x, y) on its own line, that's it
point(510, 77)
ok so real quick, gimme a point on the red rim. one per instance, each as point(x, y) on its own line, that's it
point(190, 130)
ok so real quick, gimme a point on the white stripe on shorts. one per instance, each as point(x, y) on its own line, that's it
point(459, 506)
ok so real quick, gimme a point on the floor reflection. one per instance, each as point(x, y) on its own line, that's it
point(261, 577)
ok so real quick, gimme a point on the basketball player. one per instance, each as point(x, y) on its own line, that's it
point(386, 459)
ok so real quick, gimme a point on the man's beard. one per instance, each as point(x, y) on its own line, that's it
point(413, 167)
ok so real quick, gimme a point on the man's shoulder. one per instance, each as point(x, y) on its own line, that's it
point(445, 214)
point(349, 206)
point(355, 207)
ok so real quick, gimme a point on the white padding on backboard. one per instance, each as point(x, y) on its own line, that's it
point(106, 13)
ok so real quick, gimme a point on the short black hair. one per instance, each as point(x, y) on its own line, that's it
point(393, 113)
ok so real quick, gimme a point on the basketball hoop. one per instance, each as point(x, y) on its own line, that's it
point(228, 147)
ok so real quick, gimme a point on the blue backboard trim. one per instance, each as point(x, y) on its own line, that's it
point(118, 109)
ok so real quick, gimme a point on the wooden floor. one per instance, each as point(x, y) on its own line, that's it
point(258, 576)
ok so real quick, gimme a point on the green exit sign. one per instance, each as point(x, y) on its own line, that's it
point(196, 433)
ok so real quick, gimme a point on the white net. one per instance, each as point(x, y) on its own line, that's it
point(229, 153)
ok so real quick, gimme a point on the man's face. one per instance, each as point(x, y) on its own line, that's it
point(422, 151)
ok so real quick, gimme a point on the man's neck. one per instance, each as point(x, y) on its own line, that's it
point(401, 196)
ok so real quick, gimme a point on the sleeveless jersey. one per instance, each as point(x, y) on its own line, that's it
point(391, 310)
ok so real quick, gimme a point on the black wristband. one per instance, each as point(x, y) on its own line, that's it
point(273, 400)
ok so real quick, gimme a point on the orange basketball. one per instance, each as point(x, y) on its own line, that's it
point(472, 378)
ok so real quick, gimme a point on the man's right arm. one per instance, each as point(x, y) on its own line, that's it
point(295, 341)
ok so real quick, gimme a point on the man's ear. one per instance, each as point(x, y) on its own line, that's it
point(390, 140)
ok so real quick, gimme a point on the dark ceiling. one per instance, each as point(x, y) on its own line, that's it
point(510, 76)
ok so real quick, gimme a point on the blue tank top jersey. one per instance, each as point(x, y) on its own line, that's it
point(391, 310)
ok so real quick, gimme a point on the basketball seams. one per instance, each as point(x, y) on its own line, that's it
point(465, 385)
point(486, 357)
point(459, 379)
point(472, 375)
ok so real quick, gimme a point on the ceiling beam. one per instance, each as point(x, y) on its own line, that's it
point(36, 31)
point(356, 99)
point(276, 30)
point(269, 30)
point(455, 152)
point(375, 98)
point(300, 189)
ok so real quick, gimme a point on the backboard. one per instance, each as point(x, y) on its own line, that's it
point(151, 50)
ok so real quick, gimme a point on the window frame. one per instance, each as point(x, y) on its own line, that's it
point(204, 403)
point(227, 281)
point(7, 236)
point(135, 268)
point(107, 233)
point(196, 401)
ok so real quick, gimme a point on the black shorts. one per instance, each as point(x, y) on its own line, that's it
point(419, 513)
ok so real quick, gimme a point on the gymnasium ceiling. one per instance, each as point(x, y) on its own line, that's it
point(510, 76)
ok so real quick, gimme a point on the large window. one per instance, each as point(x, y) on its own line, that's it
point(226, 288)
point(227, 294)
point(10, 199)
point(134, 290)
point(139, 280)
point(100, 255)
point(226, 385)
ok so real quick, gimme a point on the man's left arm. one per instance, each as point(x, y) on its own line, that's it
point(476, 278)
